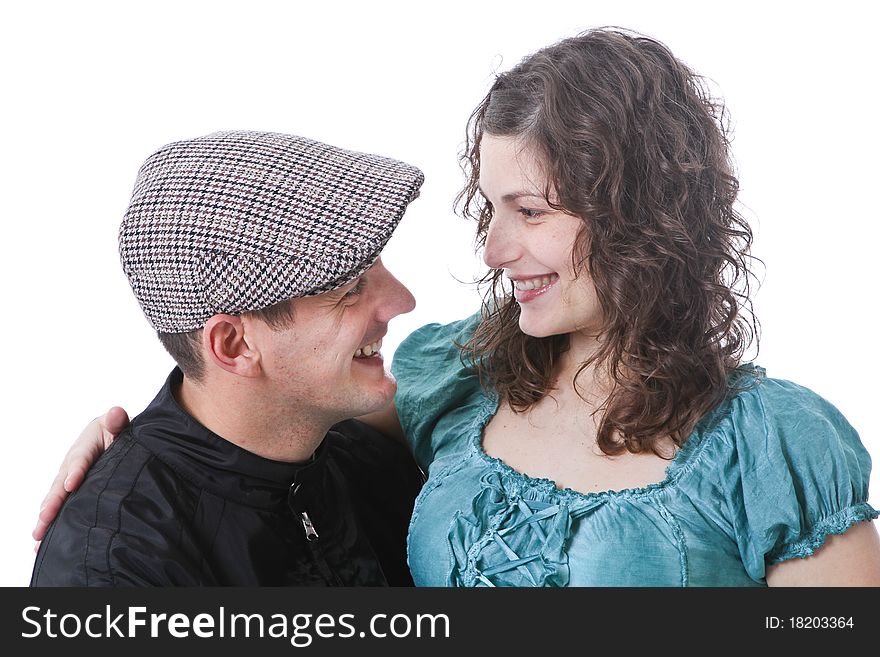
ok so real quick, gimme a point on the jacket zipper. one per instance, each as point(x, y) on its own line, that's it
point(311, 534)
point(314, 545)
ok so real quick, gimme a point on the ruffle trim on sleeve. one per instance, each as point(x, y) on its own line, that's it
point(837, 523)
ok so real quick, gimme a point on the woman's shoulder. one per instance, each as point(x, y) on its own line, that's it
point(437, 390)
point(431, 356)
point(773, 423)
point(436, 341)
point(791, 467)
point(759, 408)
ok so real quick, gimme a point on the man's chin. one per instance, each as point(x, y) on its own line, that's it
point(377, 398)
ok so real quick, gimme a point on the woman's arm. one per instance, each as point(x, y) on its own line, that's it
point(92, 442)
point(848, 559)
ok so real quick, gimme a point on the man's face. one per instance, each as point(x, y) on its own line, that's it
point(326, 362)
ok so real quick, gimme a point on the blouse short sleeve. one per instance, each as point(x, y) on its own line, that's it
point(434, 386)
point(796, 471)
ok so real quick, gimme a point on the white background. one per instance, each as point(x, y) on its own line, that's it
point(89, 89)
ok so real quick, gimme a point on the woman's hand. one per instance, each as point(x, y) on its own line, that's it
point(94, 439)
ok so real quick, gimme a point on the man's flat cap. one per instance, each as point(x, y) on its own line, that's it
point(237, 221)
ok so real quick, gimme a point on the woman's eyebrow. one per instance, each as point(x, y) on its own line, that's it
point(513, 196)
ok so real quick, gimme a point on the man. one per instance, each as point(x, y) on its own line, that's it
point(255, 256)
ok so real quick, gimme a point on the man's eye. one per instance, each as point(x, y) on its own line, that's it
point(355, 291)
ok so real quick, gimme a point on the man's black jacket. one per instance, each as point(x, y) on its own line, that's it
point(172, 504)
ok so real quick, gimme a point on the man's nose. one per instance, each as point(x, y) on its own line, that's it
point(396, 298)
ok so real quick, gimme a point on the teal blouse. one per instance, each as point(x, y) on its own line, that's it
point(766, 476)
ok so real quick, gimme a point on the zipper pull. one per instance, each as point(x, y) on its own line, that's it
point(311, 534)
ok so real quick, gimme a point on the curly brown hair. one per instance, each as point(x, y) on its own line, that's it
point(638, 149)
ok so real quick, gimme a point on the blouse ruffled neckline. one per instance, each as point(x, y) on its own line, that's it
point(685, 458)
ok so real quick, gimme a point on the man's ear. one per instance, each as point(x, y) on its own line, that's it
point(226, 345)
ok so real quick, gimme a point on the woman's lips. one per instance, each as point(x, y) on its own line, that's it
point(528, 289)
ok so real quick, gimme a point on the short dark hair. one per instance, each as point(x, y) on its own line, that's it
point(186, 348)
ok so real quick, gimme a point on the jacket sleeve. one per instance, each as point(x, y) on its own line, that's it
point(111, 533)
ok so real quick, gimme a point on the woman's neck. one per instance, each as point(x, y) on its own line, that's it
point(591, 380)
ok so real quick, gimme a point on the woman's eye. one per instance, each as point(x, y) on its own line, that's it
point(529, 213)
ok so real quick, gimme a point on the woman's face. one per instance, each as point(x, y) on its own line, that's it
point(533, 243)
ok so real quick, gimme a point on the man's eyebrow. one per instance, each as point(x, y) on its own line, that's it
point(343, 289)
point(513, 196)
point(353, 283)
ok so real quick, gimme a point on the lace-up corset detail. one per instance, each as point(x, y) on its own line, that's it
point(508, 538)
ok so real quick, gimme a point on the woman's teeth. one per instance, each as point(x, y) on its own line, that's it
point(535, 283)
point(368, 350)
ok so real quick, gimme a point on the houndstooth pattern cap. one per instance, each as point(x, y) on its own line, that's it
point(237, 221)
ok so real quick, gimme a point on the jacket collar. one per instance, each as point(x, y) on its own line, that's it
point(213, 463)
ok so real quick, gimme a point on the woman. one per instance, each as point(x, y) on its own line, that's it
point(593, 424)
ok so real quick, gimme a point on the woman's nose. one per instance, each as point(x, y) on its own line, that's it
point(501, 246)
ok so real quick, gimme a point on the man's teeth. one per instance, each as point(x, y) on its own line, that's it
point(535, 283)
point(368, 350)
